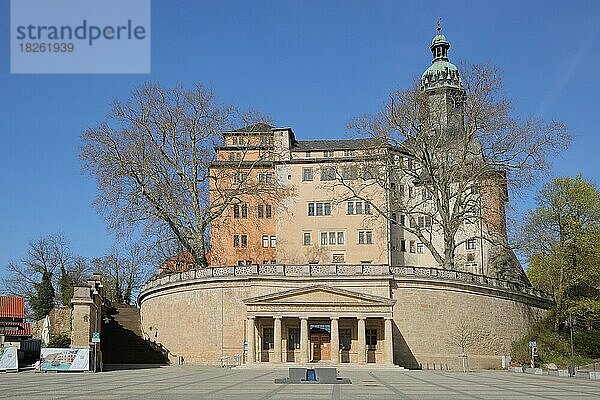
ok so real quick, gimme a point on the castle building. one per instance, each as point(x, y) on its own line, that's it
point(307, 268)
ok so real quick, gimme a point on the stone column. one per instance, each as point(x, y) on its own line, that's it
point(361, 347)
point(388, 351)
point(277, 340)
point(304, 351)
point(251, 345)
point(335, 341)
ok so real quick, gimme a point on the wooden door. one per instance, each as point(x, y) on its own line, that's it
point(321, 346)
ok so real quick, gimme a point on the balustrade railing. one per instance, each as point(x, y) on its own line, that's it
point(316, 270)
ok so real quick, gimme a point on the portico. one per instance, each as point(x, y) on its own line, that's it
point(319, 323)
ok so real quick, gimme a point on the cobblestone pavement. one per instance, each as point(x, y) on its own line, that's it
point(192, 382)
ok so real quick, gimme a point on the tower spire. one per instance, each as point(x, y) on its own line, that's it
point(439, 26)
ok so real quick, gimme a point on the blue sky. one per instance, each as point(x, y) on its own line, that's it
point(311, 65)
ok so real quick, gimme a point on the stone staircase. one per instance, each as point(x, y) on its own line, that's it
point(122, 340)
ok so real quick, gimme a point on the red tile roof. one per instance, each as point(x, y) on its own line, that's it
point(12, 307)
point(15, 328)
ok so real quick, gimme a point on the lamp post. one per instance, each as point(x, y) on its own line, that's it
point(572, 372)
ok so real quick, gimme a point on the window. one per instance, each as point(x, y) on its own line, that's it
point(273, 262)
point(340, 238)
point(273, 241)
point(244, 210)
point(235, 156)
point(426, 194)
point(268, 212)
point(402, 219)
point(293, 338)
point(332, 240)
point(412, 246)
point(371, 339)
point(328, 153)
point(307, 155)
point(327, 173)
point(265, 241)
point(349, 173)
point(307, 174)
point(358, 208)
point(421, 222)
point(261, 211)
point(265, 177)
point(319, 208)
point(264, 211)
point(348, 153)
point(338, 258)
point(420, 248)
point(234, 140)
point(248, 262)
point(403, 245)
point(427, 222)
point(244, 240)
point(365, 237)
point(367, 207)
point(345, 339)
point(410, 192)
point(236, 240)
point(239, 177)
point(267, 339)
point(241, 262)
point(306, 239)
point(236, 211)
point(471, 244)
point(350, 208)
point(394, 218)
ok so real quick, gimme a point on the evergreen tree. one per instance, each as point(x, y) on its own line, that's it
point(42, 299)
point(65, 283)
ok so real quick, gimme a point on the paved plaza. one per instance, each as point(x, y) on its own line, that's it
point(192, 382)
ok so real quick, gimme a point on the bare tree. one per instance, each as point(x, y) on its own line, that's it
point(124, 269)
point(151, 160)
point(51, 263)
point(445, 157)
point(463, 336)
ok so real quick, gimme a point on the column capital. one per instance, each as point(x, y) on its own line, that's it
point(334, 317)
point(361, 317)
point(251, 317)
point(304, 318)
point(389, 317)
point(277, 317)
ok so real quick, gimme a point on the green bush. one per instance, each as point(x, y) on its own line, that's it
point(555, 347)
point(587, 342)
point(62, 340)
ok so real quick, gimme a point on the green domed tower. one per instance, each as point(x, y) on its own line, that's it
point(442, 84)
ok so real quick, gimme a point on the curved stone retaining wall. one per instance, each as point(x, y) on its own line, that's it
point(200, 314)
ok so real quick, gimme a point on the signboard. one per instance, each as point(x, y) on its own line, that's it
point(532, 344)
point(95, 337)
point(65, 360)
point(8, 359)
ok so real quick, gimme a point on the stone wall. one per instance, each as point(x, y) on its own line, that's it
point(186, 316)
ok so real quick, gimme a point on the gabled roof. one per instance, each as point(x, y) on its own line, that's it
point(12, 307)
point(311, 294)
point(258, 127)
point(339, 144)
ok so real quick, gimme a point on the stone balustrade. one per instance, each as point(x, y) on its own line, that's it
point(320, 270)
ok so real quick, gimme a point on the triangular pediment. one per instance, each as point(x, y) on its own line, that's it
point(319, 294)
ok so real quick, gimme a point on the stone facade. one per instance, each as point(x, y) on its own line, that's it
point(203, 316)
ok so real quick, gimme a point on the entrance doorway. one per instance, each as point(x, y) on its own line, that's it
point(320, 342)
